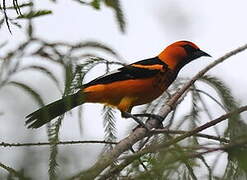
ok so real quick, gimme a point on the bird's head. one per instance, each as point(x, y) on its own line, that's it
point(180, 53)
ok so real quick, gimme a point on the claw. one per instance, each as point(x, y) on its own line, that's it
point(154, 116)
point(129, 115)
point(160, 118)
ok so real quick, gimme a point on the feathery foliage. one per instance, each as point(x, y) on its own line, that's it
point(115, 4)
point(96, 4)
point(64, 55)
point(34, 14)
point(182, 160)
point(18, 8)
point(109, 124)
point(228, 101)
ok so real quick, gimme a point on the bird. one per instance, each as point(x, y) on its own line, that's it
point(129, 86)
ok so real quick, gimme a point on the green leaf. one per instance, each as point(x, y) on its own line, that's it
point(115, 4)
point(34, 14)
point(15, 24)
point(96, 4)
point(109, 126)
point(69, 77)
point(53, 136)
point(29, 90)
point(53, 129)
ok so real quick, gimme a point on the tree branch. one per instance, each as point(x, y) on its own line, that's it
point(154, 148)
point(158, 147)
point(105, 160)
point(225, 147)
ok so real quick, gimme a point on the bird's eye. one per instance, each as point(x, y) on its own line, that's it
point(189, 49)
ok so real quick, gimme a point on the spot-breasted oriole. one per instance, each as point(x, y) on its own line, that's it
point(135, 84)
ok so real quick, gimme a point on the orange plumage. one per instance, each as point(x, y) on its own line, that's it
point(129, 86)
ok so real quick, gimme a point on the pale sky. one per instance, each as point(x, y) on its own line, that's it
point(215, 26)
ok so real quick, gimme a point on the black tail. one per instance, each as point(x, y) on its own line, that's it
point(52, 110)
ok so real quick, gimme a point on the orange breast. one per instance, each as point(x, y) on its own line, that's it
point(137, 91)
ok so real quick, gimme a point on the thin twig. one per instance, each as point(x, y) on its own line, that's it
point(220, 139)
point(140, 161)
point(3, 144)
point(225, 147)
point(6, 16)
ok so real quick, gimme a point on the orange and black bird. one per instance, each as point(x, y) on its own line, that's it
point(132, 85)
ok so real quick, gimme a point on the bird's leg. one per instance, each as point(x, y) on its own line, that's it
point(160, 118)
point(154, 116)
point(129, 115)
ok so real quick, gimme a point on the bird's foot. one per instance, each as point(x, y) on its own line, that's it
point(154, 116)
point(141, 124)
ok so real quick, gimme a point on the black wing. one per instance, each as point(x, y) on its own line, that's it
point(129, 72)
point(151, 61)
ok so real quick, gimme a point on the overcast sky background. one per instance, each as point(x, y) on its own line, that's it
point(215, 26)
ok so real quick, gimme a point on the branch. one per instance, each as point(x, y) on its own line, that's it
point(105, 160)
point(3, 144)
point(158, 147)
point(220, 139)
point(225, 148)
point(154, 148)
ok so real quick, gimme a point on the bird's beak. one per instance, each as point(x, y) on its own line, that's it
point(202, 53)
